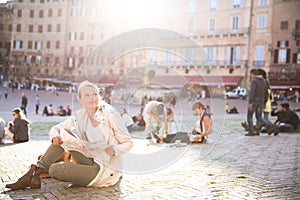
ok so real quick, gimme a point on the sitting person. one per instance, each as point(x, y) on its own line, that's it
point(68, 110)
point(96, 139)
point(50, 110)
point(2, 130)
point(199, 133)
point(139, 122)
point(45, 111)
point(127, 119)
point(233, 110)
point(18, 130)
point(155, 115)
point(61, 111)
point(203, 124)
point(288, 121)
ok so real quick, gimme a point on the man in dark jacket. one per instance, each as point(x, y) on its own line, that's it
point(258, 96)
point(24, 102)
point(289, 121)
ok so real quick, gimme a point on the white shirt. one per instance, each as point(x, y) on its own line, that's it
point(94, 134)
point(127, 119)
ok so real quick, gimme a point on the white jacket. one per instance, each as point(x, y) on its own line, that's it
point(115, 133)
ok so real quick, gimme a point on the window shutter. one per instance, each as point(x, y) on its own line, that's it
point(288, 55)
point(276, 56)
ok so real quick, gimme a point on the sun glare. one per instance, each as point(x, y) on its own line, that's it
point(131, 10)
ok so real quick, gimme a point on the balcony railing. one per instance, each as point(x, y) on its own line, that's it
point(222, 32)
point(284, 75)
point(258, 63)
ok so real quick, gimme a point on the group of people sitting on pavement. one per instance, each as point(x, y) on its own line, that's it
point(287, 121)
point(160, 123)
point(61, 111)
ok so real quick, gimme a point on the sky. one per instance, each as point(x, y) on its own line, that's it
point(3, 1)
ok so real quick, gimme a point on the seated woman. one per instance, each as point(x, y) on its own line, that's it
point(18, 130)
point(127, 119)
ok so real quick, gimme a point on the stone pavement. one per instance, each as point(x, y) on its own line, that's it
point(229, 166)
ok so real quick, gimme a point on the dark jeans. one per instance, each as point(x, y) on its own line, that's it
point(257, 107)
point(283, 127)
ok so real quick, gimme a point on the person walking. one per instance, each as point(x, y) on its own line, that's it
point(24, 102)
point(37, 104)
point(95, 136)
point(258, 96)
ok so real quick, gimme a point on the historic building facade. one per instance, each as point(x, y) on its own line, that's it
point(217, 40)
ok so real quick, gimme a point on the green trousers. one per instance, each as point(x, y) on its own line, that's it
point(81, 173)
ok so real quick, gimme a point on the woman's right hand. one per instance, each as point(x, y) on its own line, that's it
point(56, 141)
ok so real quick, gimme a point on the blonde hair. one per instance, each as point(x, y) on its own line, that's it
point(83, 84)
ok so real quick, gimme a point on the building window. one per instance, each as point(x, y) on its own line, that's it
point(71, 62)
point(232, 55)
point(10, 27)
point(42, 1)
point(31, 1)
point(283, 43)
point(261, 21)
point(236, 3)
point(94, 12)
point(192, 6)
point(284, 25)
point(1, 27)
point(59, 12)
point(30, 28)
point(31, 14)
point(49, 28)
point(48, 45)
point(57, 44)
point(211, 55)
point(40, 28)
point(298, 43)
point(82, 36)
point(213, 4)
point(41, 14)
point(18, 27)
point(235, 23)
point(56, 60)
point(20, 1)
point(74, 2)
point(38, 45)
point(80, 50)
point(298, 58)
point(190, 28)
point(58, 28)
point(29, 45)
point(186, 71)
point(282, 55)
point(259, 56)
point(83, 12)
point(212, 23)
point(72, 50)
point(72, 36)
point(74, 12)
point(263, 2)
point(18, 44)
point(19, 13)
point(50, 13)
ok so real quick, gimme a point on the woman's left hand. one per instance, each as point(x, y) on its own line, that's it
point(110, 151)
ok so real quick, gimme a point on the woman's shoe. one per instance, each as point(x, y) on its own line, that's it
point(24, 181)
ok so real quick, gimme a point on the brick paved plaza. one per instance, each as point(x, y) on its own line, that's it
point(229, 166)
